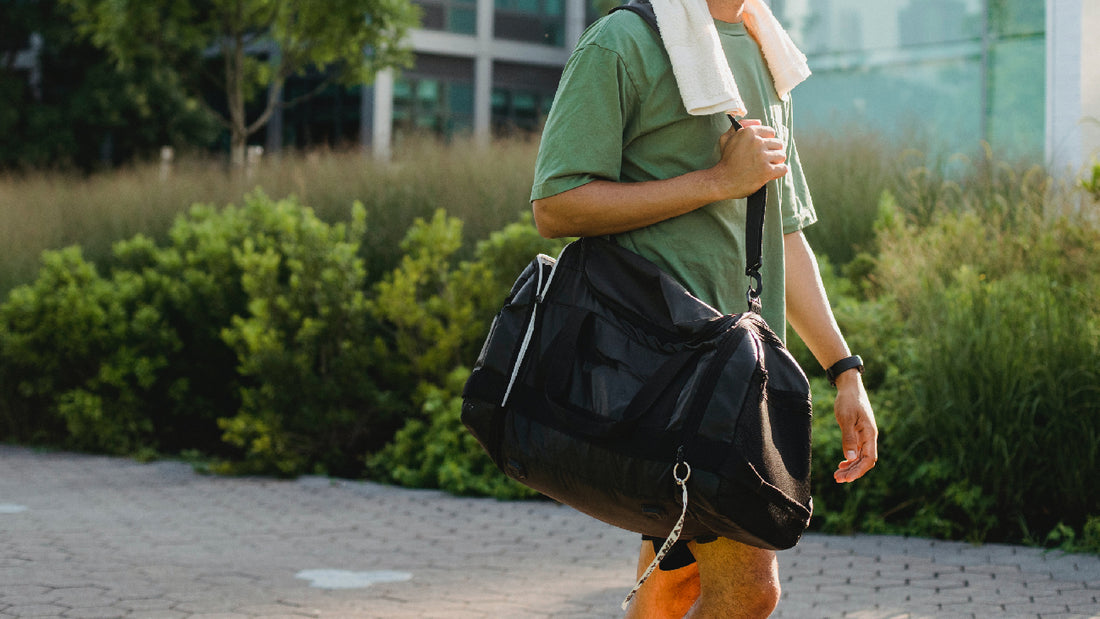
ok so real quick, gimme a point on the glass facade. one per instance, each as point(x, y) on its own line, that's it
point(972, 69)
point(330, 116)
point(436, 95)
point(530, 21)
point(458, 16)
point(521, 96)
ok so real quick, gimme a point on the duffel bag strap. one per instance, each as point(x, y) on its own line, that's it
point(673, 537)
point(754, 240)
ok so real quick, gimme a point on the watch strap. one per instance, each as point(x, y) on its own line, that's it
point(842, 366)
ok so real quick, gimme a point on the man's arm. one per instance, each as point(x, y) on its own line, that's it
point(750, 158)
point(809, 313)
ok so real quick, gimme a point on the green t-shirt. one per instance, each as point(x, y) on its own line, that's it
point(618, 116)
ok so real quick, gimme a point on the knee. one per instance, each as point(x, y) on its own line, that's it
point(737, 580)
point(765, 599)
point(744, 596)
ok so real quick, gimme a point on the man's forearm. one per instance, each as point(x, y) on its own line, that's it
point(808, 308)
point(750, 157)
point(606, 207)
point(809, 313)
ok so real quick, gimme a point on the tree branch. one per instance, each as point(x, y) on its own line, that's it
point(325, 83)
point(273, 94)
point(222, 120)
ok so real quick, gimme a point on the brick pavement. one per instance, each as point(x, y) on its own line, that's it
point(95, 537)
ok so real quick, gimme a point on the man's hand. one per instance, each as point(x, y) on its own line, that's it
point(859, 434)
point(751, 157)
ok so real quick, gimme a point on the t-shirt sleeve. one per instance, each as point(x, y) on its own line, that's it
point(583, 137)
point(797, 206)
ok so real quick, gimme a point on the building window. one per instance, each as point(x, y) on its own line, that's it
point(518, 110)
point(432, 106)
point(436, 96)
point(531, 21)
point(522, 95)
point(329, 117)
point(458, 16)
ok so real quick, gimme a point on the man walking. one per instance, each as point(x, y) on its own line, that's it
point(638, 146)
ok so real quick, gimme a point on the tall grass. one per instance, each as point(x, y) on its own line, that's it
point(994, 424)
point(484, 187)
point(972, 296)
point(847, 171)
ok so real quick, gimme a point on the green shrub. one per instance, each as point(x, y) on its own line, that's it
point(248, 336)
point(440, 308)
point(440, 311)
point(1005, 386)
point(309, 355)
point(993, 420)
point(1092, 183)
point(81, 357)
point(976, 314)
point(431, 306)
point(438, 452)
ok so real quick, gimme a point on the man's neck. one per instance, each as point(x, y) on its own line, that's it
point(726, 10)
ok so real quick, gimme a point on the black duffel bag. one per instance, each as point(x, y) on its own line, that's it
point(602, 373)
point(604, 384)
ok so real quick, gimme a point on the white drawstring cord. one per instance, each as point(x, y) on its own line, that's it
point(540, 292)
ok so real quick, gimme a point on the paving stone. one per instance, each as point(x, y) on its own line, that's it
point(101, 612)
point(36, 610)
point(105, 535)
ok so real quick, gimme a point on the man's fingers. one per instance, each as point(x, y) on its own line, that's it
point(762, 131)
point(856, 464)
point(870, 447)
point(851, 470)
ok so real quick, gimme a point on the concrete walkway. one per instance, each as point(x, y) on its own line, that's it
point(84, 536)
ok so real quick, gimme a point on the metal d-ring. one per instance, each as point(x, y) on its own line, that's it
point(676, 475)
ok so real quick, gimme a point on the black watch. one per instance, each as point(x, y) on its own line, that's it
point(855, 362)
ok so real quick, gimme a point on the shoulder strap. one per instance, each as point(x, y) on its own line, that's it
point(754, 240)
point(754, 216)
point(642, 8)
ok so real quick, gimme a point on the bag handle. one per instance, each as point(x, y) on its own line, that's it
point(563, 351)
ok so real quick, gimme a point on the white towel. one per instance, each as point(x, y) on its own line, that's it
point(706, 83)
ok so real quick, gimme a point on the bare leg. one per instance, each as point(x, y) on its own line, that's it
point(666, 595)
point(736, 581)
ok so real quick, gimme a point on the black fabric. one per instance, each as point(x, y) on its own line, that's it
point(680, 554)
point(641, 8)
point(847, 363)
point(625, 376)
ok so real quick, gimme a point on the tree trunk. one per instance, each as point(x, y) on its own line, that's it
point(234, 81)
point(238, 145)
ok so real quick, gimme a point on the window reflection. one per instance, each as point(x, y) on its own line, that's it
point(532, 21)
point(458, 16)
point(972, 68)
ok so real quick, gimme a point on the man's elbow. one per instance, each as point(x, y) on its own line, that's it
point(547, 219)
